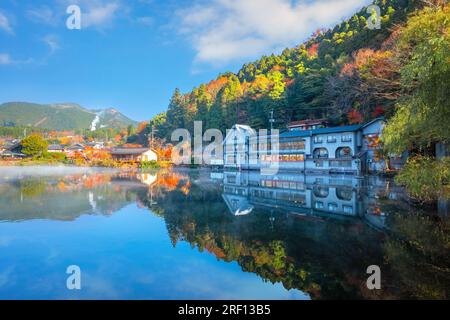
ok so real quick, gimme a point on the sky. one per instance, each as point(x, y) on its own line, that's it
point(131, 55)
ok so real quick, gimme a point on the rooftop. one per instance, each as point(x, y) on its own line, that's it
point(76, 147)
point(133, 151)
point(308, 122)
point(55, 147)
point(307, 133)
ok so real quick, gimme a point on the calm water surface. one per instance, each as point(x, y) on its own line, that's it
point(197, 234)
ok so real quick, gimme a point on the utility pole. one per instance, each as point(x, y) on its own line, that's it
point(271, 120)
point(152, 136)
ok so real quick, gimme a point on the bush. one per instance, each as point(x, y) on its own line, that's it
point(425, 178)
point(150, 165)
point(59, 156)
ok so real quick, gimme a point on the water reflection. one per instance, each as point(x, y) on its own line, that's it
point(308, 195)
point(314, 235)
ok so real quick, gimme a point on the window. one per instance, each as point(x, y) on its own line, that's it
point(318, 205)
point(343, 152)
point(344, 194)
point(320, 153)
point(346, 138)
point(321, 192)
point(331, 139)
point(332, 207)
point(292, 145)
point(318, 139)
point(285, 158)
point(347, 209)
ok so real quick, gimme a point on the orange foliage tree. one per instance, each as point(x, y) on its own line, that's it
point(355, 117)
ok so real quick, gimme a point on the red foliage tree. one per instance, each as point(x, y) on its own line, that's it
point(378, 112)
point(355, 117)
point(313, 50)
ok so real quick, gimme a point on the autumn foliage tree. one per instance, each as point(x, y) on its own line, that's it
point(34, 146)
point(355, 117)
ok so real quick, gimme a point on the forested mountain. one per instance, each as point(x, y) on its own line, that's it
point(344, 74)
point(63, 116)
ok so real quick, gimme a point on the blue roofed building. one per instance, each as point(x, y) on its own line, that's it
point(346, 149)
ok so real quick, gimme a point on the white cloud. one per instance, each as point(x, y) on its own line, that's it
point(43, 15)
point(5, 24)
point(226, 30)
point(98, 14)
point(52, 42)
point(5, 59)
point(146, 21)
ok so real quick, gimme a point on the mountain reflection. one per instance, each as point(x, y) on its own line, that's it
point(317, 234)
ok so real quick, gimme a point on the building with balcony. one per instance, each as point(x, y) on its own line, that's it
point(350, 149)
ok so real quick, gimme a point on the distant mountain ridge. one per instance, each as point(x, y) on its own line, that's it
point(61, 116)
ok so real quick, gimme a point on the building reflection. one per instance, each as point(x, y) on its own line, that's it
point(312, 195)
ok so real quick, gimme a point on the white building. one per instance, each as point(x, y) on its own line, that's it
point(346, 149)
point(134, 154)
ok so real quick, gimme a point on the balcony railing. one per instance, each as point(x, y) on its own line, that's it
point(341, 163)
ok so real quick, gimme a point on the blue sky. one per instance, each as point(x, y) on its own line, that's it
point(131, 55)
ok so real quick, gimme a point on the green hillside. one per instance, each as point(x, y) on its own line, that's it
point(331, 75)
point(66, 116)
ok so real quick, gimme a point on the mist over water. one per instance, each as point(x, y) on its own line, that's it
point(48, 171)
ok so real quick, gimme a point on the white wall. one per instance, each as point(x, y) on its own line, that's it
point(149, 156)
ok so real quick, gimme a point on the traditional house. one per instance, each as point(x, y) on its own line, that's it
point(134, 154)
point(12, 155)
point(55, 148)
point(12, 150)
point(96, 145)
point(74, 149)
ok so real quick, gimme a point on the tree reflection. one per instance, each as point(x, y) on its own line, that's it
point(325, 256)
point(418, 252)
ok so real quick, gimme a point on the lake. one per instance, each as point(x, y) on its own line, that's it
point(200, 234)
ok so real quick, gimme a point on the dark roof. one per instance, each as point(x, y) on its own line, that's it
point(8, 153)
point(372, 121)
point(308, 122)
point(295, 134)
point(355, 127)
point(11, 146)
point(55, 147)
point(131, 151)
point(307, 133)
point(93, 144)
point(76, 147)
